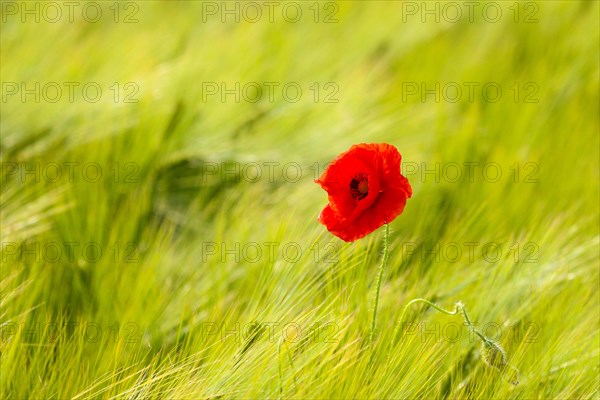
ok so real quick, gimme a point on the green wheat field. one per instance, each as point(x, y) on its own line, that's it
point(159, 212)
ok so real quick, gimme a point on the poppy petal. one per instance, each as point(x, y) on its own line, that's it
point(365, 189)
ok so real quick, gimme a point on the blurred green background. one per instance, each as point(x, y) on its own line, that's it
point(159, 232)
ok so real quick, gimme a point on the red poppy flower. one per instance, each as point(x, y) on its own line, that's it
point(366, 190)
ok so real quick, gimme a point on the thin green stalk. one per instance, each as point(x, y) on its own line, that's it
point(492, 353)
point(280, 369)
point(293, 370)
point(386, 239)
point(459, 307)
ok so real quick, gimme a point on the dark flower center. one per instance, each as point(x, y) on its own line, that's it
point(359, 186)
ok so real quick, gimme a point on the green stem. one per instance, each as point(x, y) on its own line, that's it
point(459, 307)
point(468, 321)
point(386, 240)
point(494, 348)
point(281, 342)
point(293, 370)
point(280, 369)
